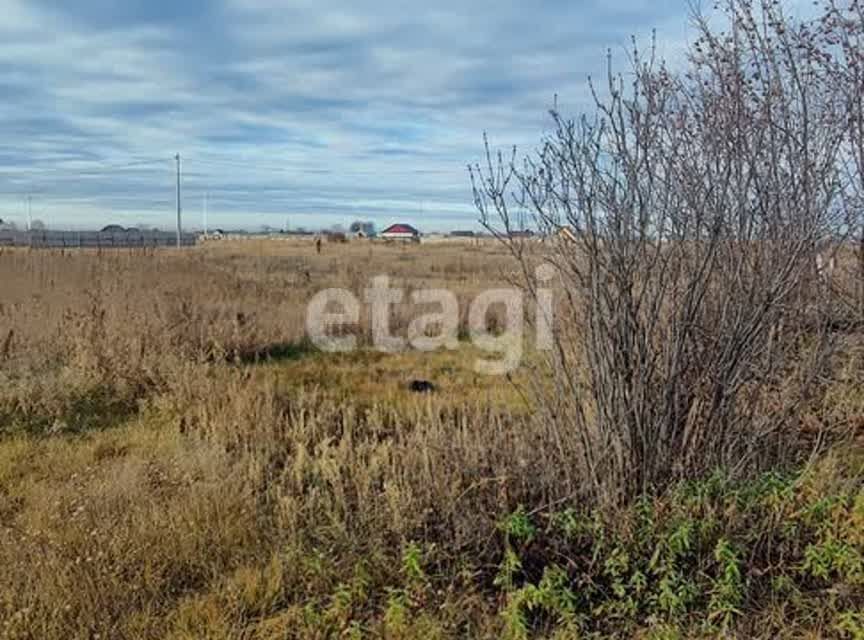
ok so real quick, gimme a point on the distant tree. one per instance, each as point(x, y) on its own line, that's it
point(37, 225)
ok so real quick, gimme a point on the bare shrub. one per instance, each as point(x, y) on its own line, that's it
point(695, 204)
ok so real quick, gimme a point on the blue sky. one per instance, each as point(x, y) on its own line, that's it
point(313, 112)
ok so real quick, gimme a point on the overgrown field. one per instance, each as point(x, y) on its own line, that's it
point(176, 461)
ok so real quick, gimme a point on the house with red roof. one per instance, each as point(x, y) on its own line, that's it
point(401, 232)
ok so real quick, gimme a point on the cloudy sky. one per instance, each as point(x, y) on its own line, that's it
point(314, 112)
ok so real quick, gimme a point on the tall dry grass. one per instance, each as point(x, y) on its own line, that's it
point(156, 481)
point(86, 335)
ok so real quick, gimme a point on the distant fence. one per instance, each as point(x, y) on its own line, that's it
point(93, 239)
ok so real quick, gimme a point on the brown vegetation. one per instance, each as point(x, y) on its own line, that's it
point(178, 461)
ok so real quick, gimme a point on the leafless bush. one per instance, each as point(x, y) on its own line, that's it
point(695, 205)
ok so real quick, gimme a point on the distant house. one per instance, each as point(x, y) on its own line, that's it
point(401, 232)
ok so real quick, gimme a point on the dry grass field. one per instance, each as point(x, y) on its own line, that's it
point(178, 461)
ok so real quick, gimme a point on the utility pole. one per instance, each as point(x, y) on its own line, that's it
point(204, 210)
point(29, 212)
point(179, 210)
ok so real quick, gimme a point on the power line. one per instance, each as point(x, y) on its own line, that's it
point(321, 170)
point(146, 167)
point(179, 222)
point(82, 165)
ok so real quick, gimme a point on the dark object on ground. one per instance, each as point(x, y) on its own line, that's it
point(421, 386)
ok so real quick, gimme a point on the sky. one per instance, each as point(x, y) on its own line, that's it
point(288, 112)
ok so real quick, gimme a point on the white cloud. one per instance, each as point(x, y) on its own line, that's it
point(284, 108)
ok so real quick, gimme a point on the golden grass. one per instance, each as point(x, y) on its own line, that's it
point(370, 377)
point(108, 531)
